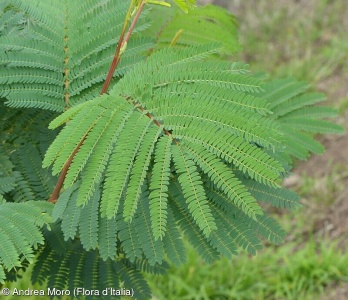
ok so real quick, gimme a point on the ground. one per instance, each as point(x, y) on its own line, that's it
point(308, 39)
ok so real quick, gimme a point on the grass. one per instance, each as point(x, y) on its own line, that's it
point(323, 190)
point(304, 39)
point(285, 272)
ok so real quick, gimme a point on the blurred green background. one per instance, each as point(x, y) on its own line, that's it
point(306, 39)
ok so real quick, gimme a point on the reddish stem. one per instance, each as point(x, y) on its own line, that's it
point(122, 41)
point(156, 122)
point(55, 194)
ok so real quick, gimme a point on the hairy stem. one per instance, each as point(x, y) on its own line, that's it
point(122, 42)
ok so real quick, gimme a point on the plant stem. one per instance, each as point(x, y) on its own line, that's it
point(55, 194)
point(117, 55)
point(156, 122)
point(123, 40)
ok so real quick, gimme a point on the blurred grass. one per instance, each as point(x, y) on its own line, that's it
point(286, 272)
point(306, 40)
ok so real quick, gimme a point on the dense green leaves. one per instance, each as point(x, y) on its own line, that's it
point(180, 127)
point(20, 225)
point(77, 268)
point(298, 118)
point(62, 56)
point(184, 144)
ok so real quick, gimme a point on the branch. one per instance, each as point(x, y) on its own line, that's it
point(122, 43)
point(156, 122)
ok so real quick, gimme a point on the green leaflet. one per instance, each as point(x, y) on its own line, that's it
point(88, 225)
point(24, 139)
point(193, 191)
point(159, 186)
point(144, 266)
point(139, 170)
point(277, 197)
point(228, 215)
point(172, 241)
point(305, 143)
point(199, 26)
point(225, 180)
point(55, 238)
point(185, 5)
point(264, 225)
point(268, 228)
point(191, 230)
point(2, 274)
point(102, 152)
point(121, 163)
point(20, 225)
point(102, 132)
point(71, 218)
point(299, 119)
point(132, 277)
point(60, 207)
point(222, 239)
point(153, 249)
point(107, 238)
point(6, 184)
point(248, 158)
point(314, 126)
point(28, 159)
point(67, 139)
point(129, 239)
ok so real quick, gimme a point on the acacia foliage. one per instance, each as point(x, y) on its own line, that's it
point(185, 144)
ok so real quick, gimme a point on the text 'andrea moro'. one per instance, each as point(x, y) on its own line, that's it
point(79, 291)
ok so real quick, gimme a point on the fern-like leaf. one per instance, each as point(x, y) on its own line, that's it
point(88, 225)
point(159, 187)
point(190, 229)
point(139, 170)
point(193, 191)
point(299, 119)
point(107, 238)
point(61, 58)
point(225, 180)
point(71, 218)
point(278, 197)
point(153, 249)
point(20, 225)
point(199, 26)
point(121, 162)
point(129, 239)
point(172, 241)
point(78, 268)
